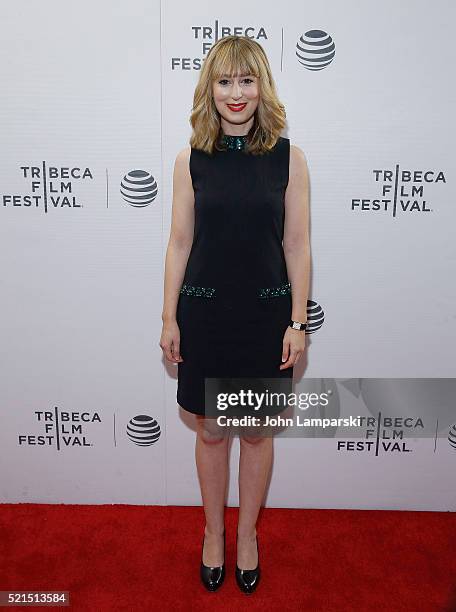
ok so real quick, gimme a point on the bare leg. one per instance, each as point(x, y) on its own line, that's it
point(211, 453)
point(254, 468)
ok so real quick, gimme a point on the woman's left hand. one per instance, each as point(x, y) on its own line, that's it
point(294, 343)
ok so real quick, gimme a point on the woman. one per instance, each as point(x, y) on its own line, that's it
point(229, 311)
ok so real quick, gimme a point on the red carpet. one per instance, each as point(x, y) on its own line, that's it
point(147, 558)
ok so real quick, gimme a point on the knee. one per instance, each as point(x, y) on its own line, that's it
point(251, 440)
point(210, 434)
point(211, 438)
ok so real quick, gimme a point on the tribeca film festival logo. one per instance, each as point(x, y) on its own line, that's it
point(399, 191)
point(64, 429)
point(315, 49)
point(61, 429)
point(383, 434)
point(49, 187)
point(53, 187)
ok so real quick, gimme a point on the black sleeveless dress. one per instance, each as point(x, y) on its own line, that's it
point(235, 300)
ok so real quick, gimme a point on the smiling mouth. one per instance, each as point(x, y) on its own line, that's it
point(237, 107)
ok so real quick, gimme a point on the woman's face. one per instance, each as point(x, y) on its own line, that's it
point(236, 99)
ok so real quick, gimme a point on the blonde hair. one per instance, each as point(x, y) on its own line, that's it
point(236, 55)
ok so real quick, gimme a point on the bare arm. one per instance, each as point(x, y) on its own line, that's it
point(296, 243)
point(181, 234)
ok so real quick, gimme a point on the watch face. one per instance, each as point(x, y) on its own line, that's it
point(300, 326)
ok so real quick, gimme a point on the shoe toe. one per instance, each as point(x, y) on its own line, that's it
point(248, 579)
point(212, 577)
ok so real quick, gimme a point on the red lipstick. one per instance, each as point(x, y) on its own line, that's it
point(236, 108)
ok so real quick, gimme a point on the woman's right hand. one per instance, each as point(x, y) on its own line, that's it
point(170, 341)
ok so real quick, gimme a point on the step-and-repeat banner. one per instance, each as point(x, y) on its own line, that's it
point(95, 106)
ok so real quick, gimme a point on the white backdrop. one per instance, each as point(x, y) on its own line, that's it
point(94, 109)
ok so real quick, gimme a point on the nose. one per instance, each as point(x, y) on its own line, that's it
point(237, 91)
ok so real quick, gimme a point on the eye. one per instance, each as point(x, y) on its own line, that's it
point(247, 81)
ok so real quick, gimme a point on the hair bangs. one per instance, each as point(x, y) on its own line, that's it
point(232, 61)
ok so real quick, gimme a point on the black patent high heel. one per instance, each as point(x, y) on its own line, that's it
point(212, 577)
point(246, 579)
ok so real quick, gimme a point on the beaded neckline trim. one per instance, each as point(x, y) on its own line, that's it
point(234, 143)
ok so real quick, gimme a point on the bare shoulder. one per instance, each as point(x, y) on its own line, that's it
point(297, 155)
point(298, 164)
point(183, 156)
point(182, 166)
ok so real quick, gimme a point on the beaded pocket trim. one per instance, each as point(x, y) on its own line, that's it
point(198, 291)
point(284, 289)
point(264, 292)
